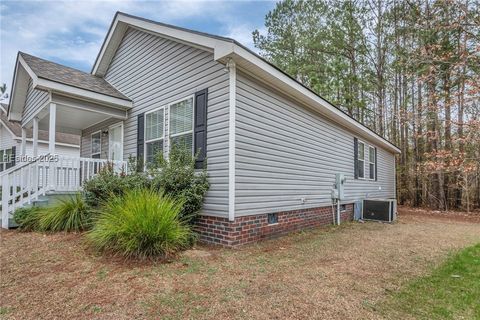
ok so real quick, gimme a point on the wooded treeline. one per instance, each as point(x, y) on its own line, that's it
point(408, 69)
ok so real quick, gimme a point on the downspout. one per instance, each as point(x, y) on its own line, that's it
point(231, 138)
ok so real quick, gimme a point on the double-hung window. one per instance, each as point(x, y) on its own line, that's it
point(181, 124)
point(361, 160)
point(371, 162)
point(96, 144)
point(154, 133)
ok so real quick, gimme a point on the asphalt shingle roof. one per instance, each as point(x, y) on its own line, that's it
point(62, 74)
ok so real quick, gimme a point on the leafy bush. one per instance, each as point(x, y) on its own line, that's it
point(27, 218)
point(142, 223)
point(177, 178)
point(108, 183)
point(72, 214)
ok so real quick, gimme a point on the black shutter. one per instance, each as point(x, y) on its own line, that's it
point(140, 139)
point(355, 158)
point(200, 128)
point(376, 178)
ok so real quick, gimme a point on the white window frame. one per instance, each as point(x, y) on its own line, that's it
point(145, 141)
point(358, 159)
point(185, 132)
point(118, 124)
point(91, 144)
point(369, 163)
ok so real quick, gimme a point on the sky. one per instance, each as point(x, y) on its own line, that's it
point(71, 32)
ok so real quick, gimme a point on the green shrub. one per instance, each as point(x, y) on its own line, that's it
point(140, 224)
point(178, 178)
point(72, 214)
point(109, 183)
point(27, 218)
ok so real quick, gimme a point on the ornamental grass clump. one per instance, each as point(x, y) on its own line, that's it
point(71, 214)
point(141, 223)
point(27, 218)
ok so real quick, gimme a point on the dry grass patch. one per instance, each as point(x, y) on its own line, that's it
point(336, 273)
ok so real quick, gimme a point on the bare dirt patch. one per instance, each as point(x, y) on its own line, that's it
point(335, 273)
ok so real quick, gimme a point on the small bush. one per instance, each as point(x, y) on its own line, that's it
point(108, 183)
point(140, 224)
point(178, 178)
point(72, 214)
point(27, 218)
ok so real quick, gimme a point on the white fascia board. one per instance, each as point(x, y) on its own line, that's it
point(19, 75)
point(121, 23)
point(297, 90)
point(55, 86)
point(118, 113)
point(29, 70)
point(14, 136)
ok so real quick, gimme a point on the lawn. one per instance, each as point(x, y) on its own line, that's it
point(355, 271)
point(451, 291)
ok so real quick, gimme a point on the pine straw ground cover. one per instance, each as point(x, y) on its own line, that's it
point(333, 273)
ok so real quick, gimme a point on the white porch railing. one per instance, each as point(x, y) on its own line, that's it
point(25, 182)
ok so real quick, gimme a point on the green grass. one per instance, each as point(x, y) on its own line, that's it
point(451, 291)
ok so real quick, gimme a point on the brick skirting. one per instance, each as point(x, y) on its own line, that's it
point(247, 229)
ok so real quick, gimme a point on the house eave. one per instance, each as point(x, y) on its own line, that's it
point(224, 48)
point(52, 86)
point(272, 76)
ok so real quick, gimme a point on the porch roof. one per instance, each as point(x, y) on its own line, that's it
point(62, 74)
point(16, 129)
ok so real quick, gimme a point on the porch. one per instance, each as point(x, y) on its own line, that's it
point(57, 99)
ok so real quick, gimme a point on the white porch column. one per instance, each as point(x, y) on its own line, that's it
point(23, 146)
point(51, 128)
point(35, 137)
point(51, 145)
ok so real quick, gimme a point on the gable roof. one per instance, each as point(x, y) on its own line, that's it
point(59, 73)
point(225, 49)
point(56, 78)
point(16, 129)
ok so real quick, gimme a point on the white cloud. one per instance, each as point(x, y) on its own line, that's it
point(74, 30)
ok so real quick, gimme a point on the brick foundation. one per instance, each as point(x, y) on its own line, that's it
point(247, 229)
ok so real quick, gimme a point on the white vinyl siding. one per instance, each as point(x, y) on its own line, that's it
point(154, 71)
point(286, 151)
point(35, 100)
point(86, 141)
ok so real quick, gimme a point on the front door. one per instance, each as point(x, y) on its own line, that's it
point(115, 142)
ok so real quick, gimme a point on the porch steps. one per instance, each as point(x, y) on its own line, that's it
point(50, 198)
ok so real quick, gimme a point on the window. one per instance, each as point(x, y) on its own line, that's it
point(343, 207)
point(7, 159)
point(181, 124)
point(361, 160)
point(154, 133)
point(371, 162)
point(96, 144)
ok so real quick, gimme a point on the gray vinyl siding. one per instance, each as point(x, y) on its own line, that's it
point(286, 152)
point(35, 100)
point(153, 72)
point(86, 140)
